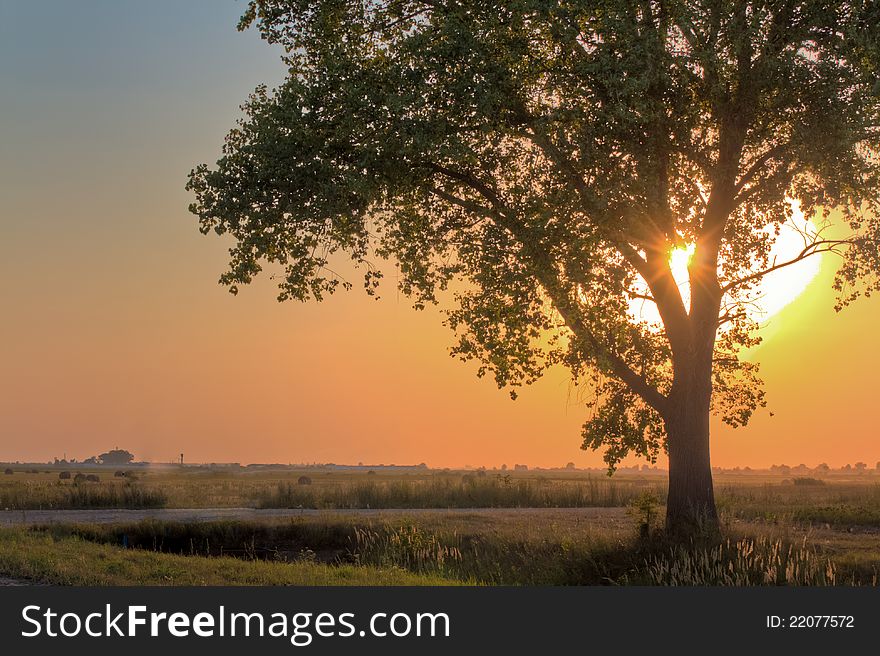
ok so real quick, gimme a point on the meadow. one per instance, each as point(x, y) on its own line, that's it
point(834, 498)
point(196, 487)
point(776, 530)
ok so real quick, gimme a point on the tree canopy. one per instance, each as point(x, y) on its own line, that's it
point(547, 156)
point(116, 457)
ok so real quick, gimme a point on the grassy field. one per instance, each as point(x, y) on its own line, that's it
point(327, 489)
point(840, 499)
point(59, 559)
point(430, 551)
point(776, 530)
point(548, 548)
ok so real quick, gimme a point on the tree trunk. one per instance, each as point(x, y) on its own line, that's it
point(690, 504)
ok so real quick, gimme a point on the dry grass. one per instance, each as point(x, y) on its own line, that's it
point(838, 501)
point(844, 504)
point(205, 488)
point(66, 495)
point(446, 492)
point(744, 562)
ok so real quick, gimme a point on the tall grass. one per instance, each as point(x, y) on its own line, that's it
point(409, 547)
point(67, 496)
point(499, 492)
point(489, 556)
point(745, 562)
point(836, 505)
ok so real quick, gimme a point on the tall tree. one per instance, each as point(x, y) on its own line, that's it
point(549, 156)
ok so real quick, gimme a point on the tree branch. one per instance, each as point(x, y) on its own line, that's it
point(542, 267)
point(759, 163)
point(654, 268)
point(820, 246)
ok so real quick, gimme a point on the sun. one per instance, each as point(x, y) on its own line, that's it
point(783, 286)
point(776, 290)
point(679, 260)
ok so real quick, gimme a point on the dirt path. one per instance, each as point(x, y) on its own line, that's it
point(112, 516)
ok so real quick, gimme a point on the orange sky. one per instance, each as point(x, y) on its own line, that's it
point(115, 332)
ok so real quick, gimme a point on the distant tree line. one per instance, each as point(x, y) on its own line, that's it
point(113, 457)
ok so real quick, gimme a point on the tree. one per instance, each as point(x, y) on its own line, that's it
point(116, 457)
point(539, 162)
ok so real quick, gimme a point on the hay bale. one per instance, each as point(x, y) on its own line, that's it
point(304, 480)
point(119, 474)
point(79, 478)
point(92, 478)
point(64, 476)
point(8, 471)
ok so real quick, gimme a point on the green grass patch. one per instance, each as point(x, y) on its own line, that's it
point(42, 557)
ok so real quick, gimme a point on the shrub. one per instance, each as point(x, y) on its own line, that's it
point(644, 509)
point(304, 480)
point(79, 478)
point(8, 471)
point(119, 474)
point(808, 480)
point(64, 476)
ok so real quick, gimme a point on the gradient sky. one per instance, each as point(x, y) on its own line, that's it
point(115, 332)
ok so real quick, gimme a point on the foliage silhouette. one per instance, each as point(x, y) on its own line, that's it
point(549, 157)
